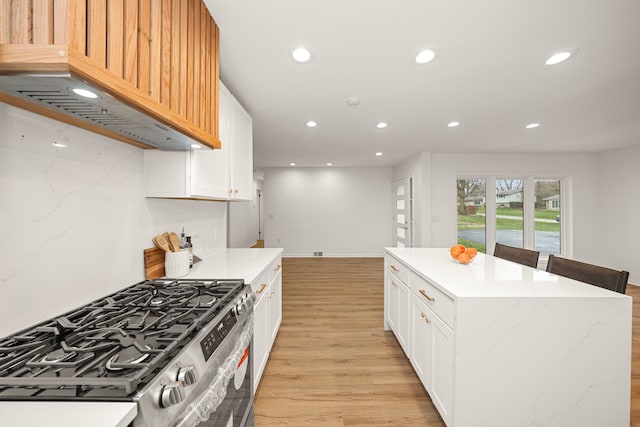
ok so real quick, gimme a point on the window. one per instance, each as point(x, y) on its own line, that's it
point(547, 216)
point(509, 212)
point(517, 211)
point(471, 213)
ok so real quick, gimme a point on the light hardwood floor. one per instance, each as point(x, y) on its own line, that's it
point(332, 363)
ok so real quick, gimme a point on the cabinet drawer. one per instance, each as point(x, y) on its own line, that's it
point(274, 269)
point(261, 284)
point(435, 299)
point(397, 268)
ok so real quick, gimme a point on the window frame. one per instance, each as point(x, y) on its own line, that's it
point(566, 228)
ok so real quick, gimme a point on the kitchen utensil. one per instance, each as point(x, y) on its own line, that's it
point(174, 242)
point(161, 243)
point(166, 237)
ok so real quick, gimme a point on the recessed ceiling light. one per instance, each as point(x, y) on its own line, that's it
point(329, 164)
point(196, 146)
point(381, 125)
point(532, 125)
point(300, 54)
point(453, 124)
point(59, 145)
point(561, 56)
point(311, 124)
point(425, 56)
point(292, 164)
point(84, 92)
point(379, 153)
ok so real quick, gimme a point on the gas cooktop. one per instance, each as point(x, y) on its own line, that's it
point(112, 347)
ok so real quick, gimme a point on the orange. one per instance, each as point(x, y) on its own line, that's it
point(465, 258)
point(456, 250)
point(471, 251)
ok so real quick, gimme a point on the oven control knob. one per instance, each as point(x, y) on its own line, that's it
point(239, 309)
point(187, 375)
point(172, 394)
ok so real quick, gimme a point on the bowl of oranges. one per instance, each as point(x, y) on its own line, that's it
point(462, 254)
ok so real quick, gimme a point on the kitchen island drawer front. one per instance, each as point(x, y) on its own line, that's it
point(435, 299)
point(261, 285)
point(275, 268)
point(397, 268)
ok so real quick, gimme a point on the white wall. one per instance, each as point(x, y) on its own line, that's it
point(243, 221)
point(339, 211)
point(619, 189)
point(74, 222)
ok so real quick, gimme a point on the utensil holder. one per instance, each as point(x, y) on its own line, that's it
point(176, 264)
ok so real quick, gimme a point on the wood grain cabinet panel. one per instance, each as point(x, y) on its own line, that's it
point(159, 56)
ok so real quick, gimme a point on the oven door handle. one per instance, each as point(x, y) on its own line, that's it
point(200, 409)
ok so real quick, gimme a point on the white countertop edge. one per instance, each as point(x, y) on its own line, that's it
point(235, 263)
point(67, 414)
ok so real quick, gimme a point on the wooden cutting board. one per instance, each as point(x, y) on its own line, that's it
point(153, 263)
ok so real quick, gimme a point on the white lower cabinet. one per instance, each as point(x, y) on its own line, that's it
point(260, 339)
point(275, 308)
point(402, 332)
point(432, 355)
point(414, 311)
point(398, 310)
point(391, 302)
point(267, 316)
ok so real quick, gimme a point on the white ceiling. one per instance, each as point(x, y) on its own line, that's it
point(489, 75)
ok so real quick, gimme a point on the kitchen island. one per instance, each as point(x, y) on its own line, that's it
point(496, 343)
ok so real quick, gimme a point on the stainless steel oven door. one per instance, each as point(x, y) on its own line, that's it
point(227, 399)
point(236, 409)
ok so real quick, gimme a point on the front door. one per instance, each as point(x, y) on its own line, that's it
point(402, 218)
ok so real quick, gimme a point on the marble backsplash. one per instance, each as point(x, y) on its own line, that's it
point(74, 221)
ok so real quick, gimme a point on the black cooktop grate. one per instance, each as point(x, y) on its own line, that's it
point(113, 346)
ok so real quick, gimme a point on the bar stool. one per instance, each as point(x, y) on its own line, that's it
point(521, 256)
point(603, 277)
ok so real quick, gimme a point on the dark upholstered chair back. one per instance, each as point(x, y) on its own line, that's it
point(603, 277)
point(519, 255)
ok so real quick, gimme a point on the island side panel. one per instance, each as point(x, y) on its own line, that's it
point(542, 362)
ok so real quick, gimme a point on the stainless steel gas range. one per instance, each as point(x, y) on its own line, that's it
point(181, 349)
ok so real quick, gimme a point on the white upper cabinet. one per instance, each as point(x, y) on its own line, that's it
point(224, 174)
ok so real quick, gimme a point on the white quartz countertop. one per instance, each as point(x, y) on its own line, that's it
point(67, 414)
point(488, 276)
point(239, 263)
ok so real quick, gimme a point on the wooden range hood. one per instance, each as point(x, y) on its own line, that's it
point(153, 65)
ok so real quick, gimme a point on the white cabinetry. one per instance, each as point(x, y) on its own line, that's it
point(494, 331)
point(415, 310)
point(432, 354)
point(267, 316)
point(398, 310)
point(224, 174)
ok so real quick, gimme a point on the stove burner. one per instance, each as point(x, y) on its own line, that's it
point(110, 365)
point(157, 301)
point(58, 356)
point(204, 300)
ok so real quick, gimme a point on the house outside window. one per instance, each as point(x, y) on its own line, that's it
point(516, 211)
